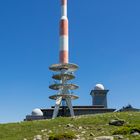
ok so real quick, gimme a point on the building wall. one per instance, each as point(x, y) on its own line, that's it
point(77, 111)
point(99, 97)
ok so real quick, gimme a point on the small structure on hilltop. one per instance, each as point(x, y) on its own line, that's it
point(128, 108)
point(99, 95)
point(36, 114)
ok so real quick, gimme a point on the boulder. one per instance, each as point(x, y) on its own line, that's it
point(70, 125)
point(135, 133)
point(80, 127)
point(50, 131)
point(38, 137)
point(83, 132)
point(118, 136)
point(117, 122)
point(91, 134)
point(104, 138)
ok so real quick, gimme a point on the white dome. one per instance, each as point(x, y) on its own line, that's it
point(37, 112)
point(99, 87)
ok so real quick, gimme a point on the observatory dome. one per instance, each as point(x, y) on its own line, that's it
point(99, 87)
point(37, 112)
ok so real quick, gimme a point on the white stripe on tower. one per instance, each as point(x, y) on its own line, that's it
point(63, 56)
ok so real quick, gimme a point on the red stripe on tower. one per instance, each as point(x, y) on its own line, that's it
point(63, 56)
point(64, 27)
point(64, 2)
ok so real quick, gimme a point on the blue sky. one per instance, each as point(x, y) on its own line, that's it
point(104, 42)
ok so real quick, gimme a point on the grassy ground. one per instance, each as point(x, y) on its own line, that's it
point(85, 126)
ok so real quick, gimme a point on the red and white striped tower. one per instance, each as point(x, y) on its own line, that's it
point(64, 56)
point(65, 69)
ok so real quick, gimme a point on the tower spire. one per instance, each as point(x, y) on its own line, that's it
point(64, 48)
point(64, 8)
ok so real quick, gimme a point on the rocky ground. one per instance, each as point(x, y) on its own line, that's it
point(109, 126)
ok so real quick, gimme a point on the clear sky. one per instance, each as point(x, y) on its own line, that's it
point(104, 42)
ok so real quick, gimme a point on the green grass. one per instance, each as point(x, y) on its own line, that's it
point(95, 124)
point(59, 136)
point(127, 129)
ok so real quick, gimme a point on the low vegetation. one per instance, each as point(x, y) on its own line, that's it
point(88, 127)
point(127, 129)
point(62, 136)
